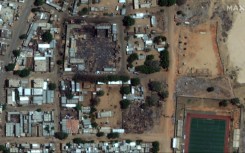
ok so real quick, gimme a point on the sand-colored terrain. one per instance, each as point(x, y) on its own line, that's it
point(198, 51)
point(236, 45)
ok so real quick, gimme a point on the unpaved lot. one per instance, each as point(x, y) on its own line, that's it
point(198, 51)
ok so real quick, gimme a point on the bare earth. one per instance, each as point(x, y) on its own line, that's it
point(236, 45)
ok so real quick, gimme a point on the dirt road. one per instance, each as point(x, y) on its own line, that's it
point(168, 126)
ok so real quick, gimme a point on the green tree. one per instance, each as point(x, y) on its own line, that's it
point(128, 21)
point(47, 37)
point(147, 69)
point(60, 62)
point(155, 147)
point(78, 107)
point(16, 53)
point(180, 2)
point(47, 128)
point(100, 134)
point(166, 2)
point(149, 57)
point(4, 149)
point(69, 95)
point(100, 93)
point(113, 135)
point(159, 39)
point(23, 36)
point(163, 94)
point(124, 78)
point(125, 90)
point(125, 103)
point(24, 73)
point(84, 11)
point(210, 89)
point(39, 110)
point(37, 9)
point(95, 101)
point(164, 59)
point(51, 86)
point(128, 140)
point(135, 81)
point(10, 67)
point(61, 135)
point(78, 140)
point(132, 57)
point(155, 86)
point(223, 103)
point(235, 101)
point(39, 2)
point(94, 124)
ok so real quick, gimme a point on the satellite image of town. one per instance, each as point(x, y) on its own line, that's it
point(122, 76)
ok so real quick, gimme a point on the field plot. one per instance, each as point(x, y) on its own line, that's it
point(206, 133)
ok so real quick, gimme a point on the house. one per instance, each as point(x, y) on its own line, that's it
point(104, 114)
point(122, 1)
point(70, 126)
point(136, 4)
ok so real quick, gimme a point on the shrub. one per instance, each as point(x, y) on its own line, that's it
point(125, 90)
point(155, 86)
point(125, 103)
point(152, 100)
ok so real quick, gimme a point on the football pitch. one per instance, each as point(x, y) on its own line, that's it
point(207, 135)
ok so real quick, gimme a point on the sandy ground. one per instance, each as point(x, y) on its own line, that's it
point(236, 45)
point(198, 52)
point(110, 102)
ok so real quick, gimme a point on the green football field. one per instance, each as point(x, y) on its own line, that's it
point(207, 135)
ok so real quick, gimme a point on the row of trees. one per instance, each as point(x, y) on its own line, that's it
point(233, 101)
